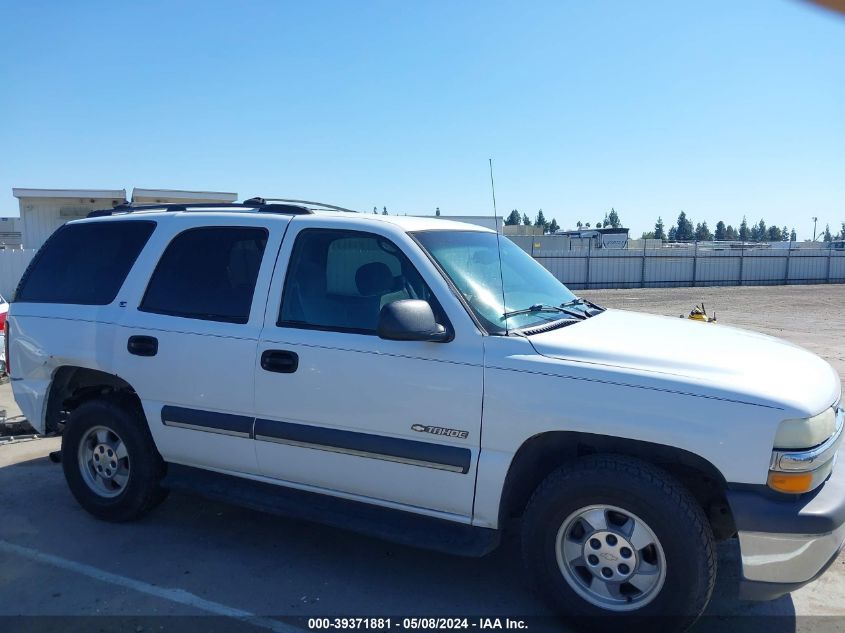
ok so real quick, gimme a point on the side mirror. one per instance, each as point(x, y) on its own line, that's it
point(410, 320)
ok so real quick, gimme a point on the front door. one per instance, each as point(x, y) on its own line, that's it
point(343, 411)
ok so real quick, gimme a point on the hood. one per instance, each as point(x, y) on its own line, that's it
point(733, 363)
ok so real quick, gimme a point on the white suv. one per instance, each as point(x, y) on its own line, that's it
point(429, 382)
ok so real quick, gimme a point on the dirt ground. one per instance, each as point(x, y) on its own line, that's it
point(204, 566)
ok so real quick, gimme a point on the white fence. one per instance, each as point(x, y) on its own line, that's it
point(690, 265)
point(13, 263)
point(629, 268)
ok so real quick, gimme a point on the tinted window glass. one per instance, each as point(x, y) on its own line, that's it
point(84, 263)
point(208, 273)
point(339, 280)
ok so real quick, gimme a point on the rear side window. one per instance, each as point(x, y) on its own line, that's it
point(208, 273)
point(84, 264)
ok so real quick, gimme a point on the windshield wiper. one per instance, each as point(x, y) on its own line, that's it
point(583, 302)
point(540, 307)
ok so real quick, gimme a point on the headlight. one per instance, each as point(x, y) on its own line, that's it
point(805, 451)
point(806, 432)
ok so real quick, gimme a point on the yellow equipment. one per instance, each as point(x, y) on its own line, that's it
point(698, 313)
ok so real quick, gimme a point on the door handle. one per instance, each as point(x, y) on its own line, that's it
point(279, 361)
point(142, 345)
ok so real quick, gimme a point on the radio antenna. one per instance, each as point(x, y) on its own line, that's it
point(498, 243)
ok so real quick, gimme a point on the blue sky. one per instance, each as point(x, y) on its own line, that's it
point(719, 108)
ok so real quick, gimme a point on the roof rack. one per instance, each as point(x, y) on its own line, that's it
point(260, 205)
point(221, 206)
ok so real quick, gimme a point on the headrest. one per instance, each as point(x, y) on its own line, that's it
point(373, 279)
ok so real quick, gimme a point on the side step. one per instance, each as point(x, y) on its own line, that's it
point(405, 528)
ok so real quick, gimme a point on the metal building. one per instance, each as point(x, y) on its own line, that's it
point(42, 211)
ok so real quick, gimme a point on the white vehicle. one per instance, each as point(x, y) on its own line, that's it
point(375, 378)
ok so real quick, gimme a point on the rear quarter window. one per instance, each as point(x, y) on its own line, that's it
point(84, 264)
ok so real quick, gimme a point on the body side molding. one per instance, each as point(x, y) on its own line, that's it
point(208, 421)
point(413, 452)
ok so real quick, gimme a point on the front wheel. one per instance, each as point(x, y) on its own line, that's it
point(616, 537)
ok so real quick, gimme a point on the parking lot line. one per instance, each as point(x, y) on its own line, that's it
point(179, 596)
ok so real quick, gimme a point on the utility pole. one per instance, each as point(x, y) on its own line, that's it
point(815, 220)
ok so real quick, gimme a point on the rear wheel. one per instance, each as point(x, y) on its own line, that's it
point(110, 461)
point(103, 461)
point(614, 537)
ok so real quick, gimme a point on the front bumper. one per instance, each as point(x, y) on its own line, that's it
point(785, 544)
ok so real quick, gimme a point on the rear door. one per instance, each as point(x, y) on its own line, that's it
point(187, 339)
point(345, 412)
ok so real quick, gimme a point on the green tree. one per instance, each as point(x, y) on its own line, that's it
point(553, 226)
point(759, 231)
point(841, 235)
point(375, 210)
point(587, 225)
point(744, 233)
point(513, 219)
point(659, 232)
point(579, 224)
point(385, 211)
point(541, 220)
point(702, 232)
point(684, 230)
point(648, 236)
point(721, 231)
point(526, 220)
point(793, 236)
point(437, 212)
point(731, 233)
point(613, 217)
point(673, 233)
point(775, 234)
point(827, 236)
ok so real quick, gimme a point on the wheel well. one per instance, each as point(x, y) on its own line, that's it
point(71, 386)
point(543, 453)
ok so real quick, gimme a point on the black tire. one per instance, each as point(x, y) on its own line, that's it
point(671, 513)
point(141, 491)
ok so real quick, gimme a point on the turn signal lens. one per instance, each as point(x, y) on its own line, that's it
point(792, 483)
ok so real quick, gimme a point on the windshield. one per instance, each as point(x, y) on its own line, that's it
point(471, 260)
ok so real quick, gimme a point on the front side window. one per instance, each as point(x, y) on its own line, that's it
point(208, 273)
point(339, 280)
point(471, 260)
point(85, 263)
